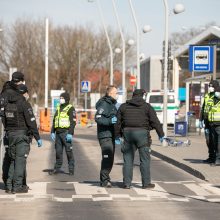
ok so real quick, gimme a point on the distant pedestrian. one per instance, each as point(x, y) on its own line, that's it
point(106, 118)
point(62, 131)
point(207, 105)
point(135, 119)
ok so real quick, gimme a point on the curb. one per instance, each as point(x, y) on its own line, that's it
point(178, 164)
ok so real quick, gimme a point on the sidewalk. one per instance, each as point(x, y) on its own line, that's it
point(188, 158)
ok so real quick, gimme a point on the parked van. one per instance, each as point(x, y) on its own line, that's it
point(155, 98)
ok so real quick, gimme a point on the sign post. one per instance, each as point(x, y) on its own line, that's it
point(85, 88)
point(133, 81)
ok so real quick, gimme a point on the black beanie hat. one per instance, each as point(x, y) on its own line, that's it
point(66, 96)
point(17, 77)
point(214, 84)
point(139, 92)
point(22, 88)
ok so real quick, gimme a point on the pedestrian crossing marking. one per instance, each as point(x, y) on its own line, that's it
point(197, 189)
point(88, 188)
point(211, 188)
point(91, 191)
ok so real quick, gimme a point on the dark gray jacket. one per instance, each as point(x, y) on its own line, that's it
point(106, 110)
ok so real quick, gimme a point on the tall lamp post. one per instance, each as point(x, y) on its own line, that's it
point(123, 52)
point(46, 63)
point(108, 39)
point(138, 44)
point(178, 9)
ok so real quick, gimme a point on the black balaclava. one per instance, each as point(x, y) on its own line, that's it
point(138, 93)
point(214, 84)
point(66, 96)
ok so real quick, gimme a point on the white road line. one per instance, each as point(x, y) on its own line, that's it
point(97, 199)
point(38, 188)
point(58, 199)
point(82, 196)
point(197, 189)
point(214, 190)
point(88, 189)
point(158, 191)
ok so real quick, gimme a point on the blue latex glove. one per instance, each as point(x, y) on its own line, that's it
point(118, 141)
point(161, 139)
point(53, 136)
point(39, 143)
point(207, 131)
point(69, 138)
point(114, 120)
point(201, 124)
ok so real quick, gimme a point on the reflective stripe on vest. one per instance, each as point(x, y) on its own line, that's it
point(208, 102)
point(62, 119)
point(214, 113)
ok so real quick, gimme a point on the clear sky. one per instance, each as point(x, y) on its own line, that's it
point(150, 12)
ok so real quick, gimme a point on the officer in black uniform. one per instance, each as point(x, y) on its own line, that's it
point(10, 90)
point(135, 119)
point(62, 131)
point(20, 125)
point(106, 118)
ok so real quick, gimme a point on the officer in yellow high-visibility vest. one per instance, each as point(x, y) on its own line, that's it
point(214, 121)
point(62, 131)
point(207, 104)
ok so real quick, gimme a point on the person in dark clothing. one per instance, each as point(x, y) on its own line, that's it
point(207, 104)
point(10, 90)
point(106, 118)
point(62, 131)
point(20, 125)
point(135, 119)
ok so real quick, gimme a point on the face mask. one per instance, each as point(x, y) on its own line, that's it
point(144, 96)
point(211, 89)
point(217, 95)
point(26, 96)
point(62, 101)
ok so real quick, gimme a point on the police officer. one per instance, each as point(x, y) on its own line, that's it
point(62, 131)
point(135, 119)
point(214, 122)
point(207, 104)
point(10, 90)
point(106, 118)
point(20, 125)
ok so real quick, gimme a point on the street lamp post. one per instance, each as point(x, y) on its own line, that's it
point(108, 39)
point(46, 63)
point(138, 44)
point(178, 9)
point(79, 73)
point(123, 52)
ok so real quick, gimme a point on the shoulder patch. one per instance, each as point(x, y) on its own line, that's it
point(101, 110)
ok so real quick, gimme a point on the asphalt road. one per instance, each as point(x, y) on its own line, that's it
point(177, 194)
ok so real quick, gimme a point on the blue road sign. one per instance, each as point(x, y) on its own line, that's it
point(201, 58)
point(85, 86)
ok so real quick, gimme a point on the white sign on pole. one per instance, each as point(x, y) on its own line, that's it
point(85, 86)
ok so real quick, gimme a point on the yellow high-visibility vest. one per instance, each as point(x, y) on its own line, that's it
point(214, 113)
point(62, 119)
point(208, 102)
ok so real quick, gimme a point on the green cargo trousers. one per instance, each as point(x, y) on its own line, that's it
point(133, 140)
point(19, 148)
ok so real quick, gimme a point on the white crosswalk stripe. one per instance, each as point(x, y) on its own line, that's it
point(91, 191)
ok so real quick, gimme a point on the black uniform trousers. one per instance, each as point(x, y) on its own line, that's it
point(133, 140)
point(210, 136)
point(61, 143)
point(18, 151)
point(108, 150)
